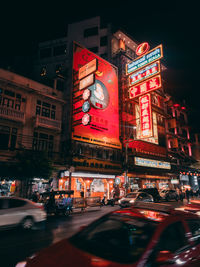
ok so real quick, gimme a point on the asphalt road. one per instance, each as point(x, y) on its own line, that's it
point(16, 245)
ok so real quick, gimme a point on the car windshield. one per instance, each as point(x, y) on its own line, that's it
point(117, 238)
point(131, 195)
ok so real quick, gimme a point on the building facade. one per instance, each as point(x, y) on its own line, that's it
point(30, 118)
point(139, 162)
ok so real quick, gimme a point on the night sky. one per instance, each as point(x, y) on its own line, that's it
point(175, 24)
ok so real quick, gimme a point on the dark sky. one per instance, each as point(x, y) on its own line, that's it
point(175, 24)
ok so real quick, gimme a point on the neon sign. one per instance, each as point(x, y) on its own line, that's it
point(145, 116)
point(152, 163)
point(145, 73)
point(145, 87)
point(87, 69)
point(144, 60)
point(87, 81)
point(142, 49)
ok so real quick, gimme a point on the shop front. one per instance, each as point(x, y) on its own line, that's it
point(88, 184)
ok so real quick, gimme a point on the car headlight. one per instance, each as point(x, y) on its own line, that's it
point(132, 201)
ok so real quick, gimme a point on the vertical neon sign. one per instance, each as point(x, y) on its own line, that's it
point(145, 116)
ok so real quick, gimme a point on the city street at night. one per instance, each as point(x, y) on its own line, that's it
point(16, 245)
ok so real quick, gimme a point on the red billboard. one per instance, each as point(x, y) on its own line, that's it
point(95, 111)
point(145, 116)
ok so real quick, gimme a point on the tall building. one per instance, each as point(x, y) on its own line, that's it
point(140, 161)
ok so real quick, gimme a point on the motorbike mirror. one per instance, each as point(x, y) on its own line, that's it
point(164, 256)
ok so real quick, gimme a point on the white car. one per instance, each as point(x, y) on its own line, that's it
point(131, 198)
point(15, 211)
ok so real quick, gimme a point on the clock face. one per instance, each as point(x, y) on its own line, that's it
point(99, 95)
point(86, 119)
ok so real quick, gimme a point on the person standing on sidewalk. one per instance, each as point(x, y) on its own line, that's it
point(187, 192)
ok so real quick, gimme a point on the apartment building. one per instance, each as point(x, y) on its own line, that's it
point(30, 117)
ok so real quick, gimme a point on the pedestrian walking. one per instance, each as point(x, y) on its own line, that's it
point(187, 192)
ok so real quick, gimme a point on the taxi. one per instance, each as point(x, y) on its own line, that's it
point(144, 235)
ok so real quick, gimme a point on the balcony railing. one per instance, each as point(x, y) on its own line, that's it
point(12, 114)
point(44, 122)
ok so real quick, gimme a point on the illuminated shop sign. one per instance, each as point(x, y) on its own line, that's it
point(95, 99)
point(152, 163)
point(87, 81)
point(145, 87)
point(87, 69)
point(145, 116)
point(142, 49)
point(144, 60)
point(145, 73)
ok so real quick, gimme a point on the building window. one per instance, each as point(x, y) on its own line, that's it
point(104, 41)
point(10, 100)
point(59, 50)
point(43, 142)
point(91, 32)
point(43, 71)
point(45, 109)
point(45, 52)
point(8, 137)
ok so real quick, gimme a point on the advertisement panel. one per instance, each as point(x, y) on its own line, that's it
point(150, 57)
point(152, 163)
point(149, 85)
point(145, 116)
point(95, 112)
point(144, 73)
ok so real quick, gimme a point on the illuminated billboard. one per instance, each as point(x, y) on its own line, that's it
point(145, 116)
point(147, 86)
point(152, 163)
point(144, 73)
point(95, 112)
point(150, 57)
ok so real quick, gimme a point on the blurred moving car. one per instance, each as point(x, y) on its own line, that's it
point(137, 236)
point(15, 211)
point(169, 195)
point(152, 191)
point(130, 198)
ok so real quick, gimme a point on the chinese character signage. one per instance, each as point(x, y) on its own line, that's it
point(145, 116)
point(144, 73)
point(145, 87)
point(95, 111)
point(152, 163)
point(152, 56)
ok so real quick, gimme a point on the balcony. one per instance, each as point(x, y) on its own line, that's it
point(12, 114)
point(47, 123)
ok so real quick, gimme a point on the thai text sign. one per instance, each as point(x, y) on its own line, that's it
point(145, 87)
point(145, 116)
point(144, 60)
point(152, 163)
point(144, 73)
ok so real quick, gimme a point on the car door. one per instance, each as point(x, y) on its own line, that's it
point(173, 240)
point(4, 211)
point(16, 211)
point(194, 238)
